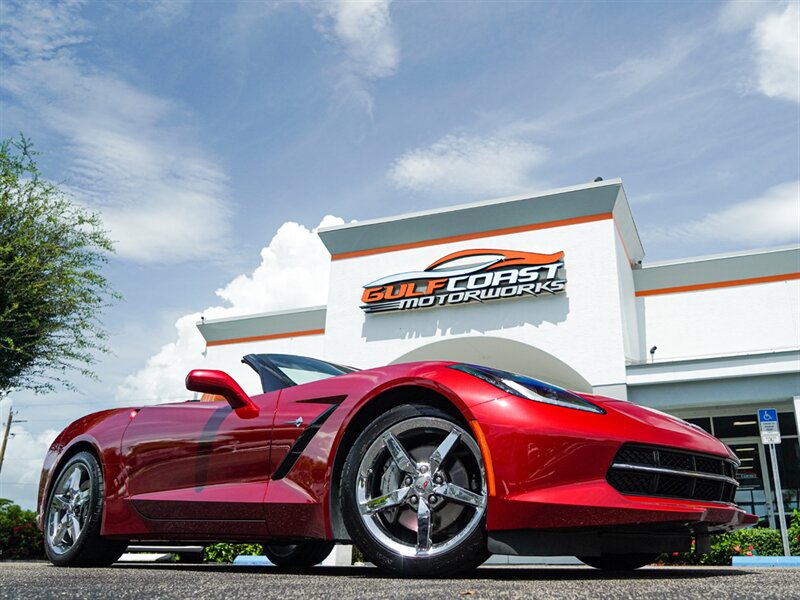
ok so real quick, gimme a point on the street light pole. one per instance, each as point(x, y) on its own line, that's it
point(6, 431)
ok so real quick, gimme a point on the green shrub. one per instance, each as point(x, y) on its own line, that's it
point(745, 542)
point(20, 538)
point(794, 533)
point(758, 541)
point(358, 555)
point(225, 553)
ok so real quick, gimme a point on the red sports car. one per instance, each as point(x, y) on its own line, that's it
point(427, 467)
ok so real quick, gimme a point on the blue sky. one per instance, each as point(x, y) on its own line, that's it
point(214, 136)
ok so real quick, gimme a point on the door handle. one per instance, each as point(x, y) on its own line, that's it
point(296, 422)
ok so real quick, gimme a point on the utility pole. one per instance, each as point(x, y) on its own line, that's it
point(6, 432)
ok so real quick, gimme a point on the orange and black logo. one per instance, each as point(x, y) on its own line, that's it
point(468, 276)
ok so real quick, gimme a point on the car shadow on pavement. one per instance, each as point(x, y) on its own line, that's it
point(484, 573)
point(583, 573)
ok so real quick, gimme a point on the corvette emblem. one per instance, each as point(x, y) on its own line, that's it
point(467, 276)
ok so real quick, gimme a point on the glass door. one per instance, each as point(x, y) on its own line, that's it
point(754, 494)
point(740, 432)
point(788, 457)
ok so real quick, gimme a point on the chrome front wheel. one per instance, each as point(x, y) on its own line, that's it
point(419, 492)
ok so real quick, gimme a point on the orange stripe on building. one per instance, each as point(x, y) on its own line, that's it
point(718, 284)
point(272, 336)
point(473, 236)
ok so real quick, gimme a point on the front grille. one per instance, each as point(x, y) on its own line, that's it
point(706, 490)
point(675, 486)
point(635, 483)
point(654, 471)
point(674, 460)
point(636, 455)
point(709, 465)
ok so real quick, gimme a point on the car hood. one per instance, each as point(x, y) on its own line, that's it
point(671, 431)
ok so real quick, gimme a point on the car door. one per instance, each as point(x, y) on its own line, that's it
point(199, 461)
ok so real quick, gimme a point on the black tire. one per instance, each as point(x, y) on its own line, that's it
point(454, 511)
point(300, 555)
point(618, 562)
point(73, 516)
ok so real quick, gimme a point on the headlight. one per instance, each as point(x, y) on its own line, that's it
point(529, 388)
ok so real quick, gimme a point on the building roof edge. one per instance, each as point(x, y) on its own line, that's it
point(562, 206)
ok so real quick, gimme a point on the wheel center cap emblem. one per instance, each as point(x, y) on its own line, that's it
point(423, 484)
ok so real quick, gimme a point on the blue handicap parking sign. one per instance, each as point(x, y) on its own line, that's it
point(767, 415)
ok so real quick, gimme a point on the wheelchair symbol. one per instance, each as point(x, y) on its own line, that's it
point(767, 415)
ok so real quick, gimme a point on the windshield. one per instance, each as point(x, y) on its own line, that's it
point(279, 371)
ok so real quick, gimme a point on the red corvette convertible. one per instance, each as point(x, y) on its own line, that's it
point(427, 467)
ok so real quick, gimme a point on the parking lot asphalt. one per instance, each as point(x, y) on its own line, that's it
point(41, 580)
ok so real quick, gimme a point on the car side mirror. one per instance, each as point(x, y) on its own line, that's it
point(220, 383)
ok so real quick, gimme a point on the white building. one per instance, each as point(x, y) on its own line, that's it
point(709, 339)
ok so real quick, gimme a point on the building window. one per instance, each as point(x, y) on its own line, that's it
point(737, 426)
point(702, 422)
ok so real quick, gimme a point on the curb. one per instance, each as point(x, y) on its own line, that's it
point(146, 557)
point(257, 561)
point(766, 561)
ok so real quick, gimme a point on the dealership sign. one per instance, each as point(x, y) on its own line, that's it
point(468, 276)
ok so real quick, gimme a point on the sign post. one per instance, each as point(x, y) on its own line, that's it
point(771, 435)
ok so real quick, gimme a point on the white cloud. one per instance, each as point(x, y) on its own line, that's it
point(475, 166)
point(163, 11)
point(772, 218)
point(292, 274)
point(160, 193)
point(292, 267)
point(40, 30)
point(23, 464)
point(634, 74)
point(364, 32)
point(739, 15)
point(774, 30)
point(162, 377)
point(777, 42)
point(243, 20)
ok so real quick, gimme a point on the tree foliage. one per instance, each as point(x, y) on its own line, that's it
point(20, 538)
point(52, 290)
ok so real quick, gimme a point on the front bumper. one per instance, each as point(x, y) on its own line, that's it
point(549, 468)
point(597, 505)
point(550, 524)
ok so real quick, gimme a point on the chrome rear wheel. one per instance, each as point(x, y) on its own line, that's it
point(68, 510)
point(73, 516)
